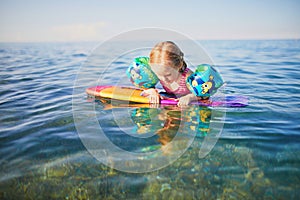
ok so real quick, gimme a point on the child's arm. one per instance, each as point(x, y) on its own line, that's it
point(187, 99)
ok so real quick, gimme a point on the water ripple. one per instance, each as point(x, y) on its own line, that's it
point(256, 154)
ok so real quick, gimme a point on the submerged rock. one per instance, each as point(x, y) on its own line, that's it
point(164, 187)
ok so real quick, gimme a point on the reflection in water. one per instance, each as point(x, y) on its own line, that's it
point(144, 132)
point(146, 118)
point(167, 121)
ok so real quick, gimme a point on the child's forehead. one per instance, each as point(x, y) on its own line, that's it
point(159, 62)
point(162, 69)
point(163, 64)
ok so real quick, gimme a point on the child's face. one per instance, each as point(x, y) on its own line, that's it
point(166, 74)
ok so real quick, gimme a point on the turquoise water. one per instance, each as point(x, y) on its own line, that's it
point(45, 155)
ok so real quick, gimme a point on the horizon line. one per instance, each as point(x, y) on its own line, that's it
point(103, 40)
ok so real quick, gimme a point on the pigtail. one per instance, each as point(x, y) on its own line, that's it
point(183, 68)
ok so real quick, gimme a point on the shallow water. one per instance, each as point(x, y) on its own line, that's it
point(45, 155)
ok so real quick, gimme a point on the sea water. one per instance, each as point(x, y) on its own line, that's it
point(58, 143)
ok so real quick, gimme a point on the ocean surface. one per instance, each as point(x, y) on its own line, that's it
point(58, 143)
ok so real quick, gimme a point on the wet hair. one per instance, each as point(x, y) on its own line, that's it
point(166, 52)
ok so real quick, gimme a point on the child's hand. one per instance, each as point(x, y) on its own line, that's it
point(186, 100)
point(152, 95)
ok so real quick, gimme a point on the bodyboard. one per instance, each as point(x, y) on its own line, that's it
point(133, 95)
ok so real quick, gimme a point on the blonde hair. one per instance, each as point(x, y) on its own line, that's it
point(166, 52)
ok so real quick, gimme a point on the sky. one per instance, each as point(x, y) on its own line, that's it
point(98, 20)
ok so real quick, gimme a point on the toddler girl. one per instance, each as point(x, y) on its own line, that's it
point(166, 61)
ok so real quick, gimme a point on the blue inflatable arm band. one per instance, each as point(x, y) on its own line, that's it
point(140, 73)
point(205, 81)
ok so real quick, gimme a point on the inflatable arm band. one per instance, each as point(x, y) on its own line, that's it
point(205, 81)
point(140, 73)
